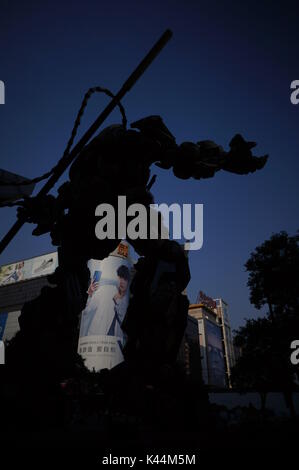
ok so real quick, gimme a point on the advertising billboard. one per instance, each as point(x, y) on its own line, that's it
point(3, 318)
point(101, 338)
point(28, 269)
point(9, 325)
point(215, 355)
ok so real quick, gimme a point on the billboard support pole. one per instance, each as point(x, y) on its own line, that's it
point(65, 162)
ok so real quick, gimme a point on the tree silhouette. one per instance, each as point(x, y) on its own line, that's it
point(265, 363)
point(274, 274)
point(254, 369)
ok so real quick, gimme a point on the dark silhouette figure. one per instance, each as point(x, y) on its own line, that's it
point(116, 162)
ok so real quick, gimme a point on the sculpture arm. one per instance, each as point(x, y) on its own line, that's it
point(197, 160)
point(205, 158)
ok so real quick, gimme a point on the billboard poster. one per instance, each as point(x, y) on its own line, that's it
point(215, 355)
point(3, 318)
point(101, 338)
point(28, 269)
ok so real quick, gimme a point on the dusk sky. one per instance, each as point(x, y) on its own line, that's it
point(227, 70)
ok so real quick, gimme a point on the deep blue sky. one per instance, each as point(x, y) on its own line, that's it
point(227, 69)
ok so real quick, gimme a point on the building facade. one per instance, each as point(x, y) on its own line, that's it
point(189, 354)
point(229, 352)
point(211, 346)
point(21, 282)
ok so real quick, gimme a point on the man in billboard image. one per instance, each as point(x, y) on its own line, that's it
point(120, 300)
point(107, 304)
point(101, 338)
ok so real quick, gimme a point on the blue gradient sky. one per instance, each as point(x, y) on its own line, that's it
point(227, 69)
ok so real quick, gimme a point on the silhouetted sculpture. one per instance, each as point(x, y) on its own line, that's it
point(116, 162)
